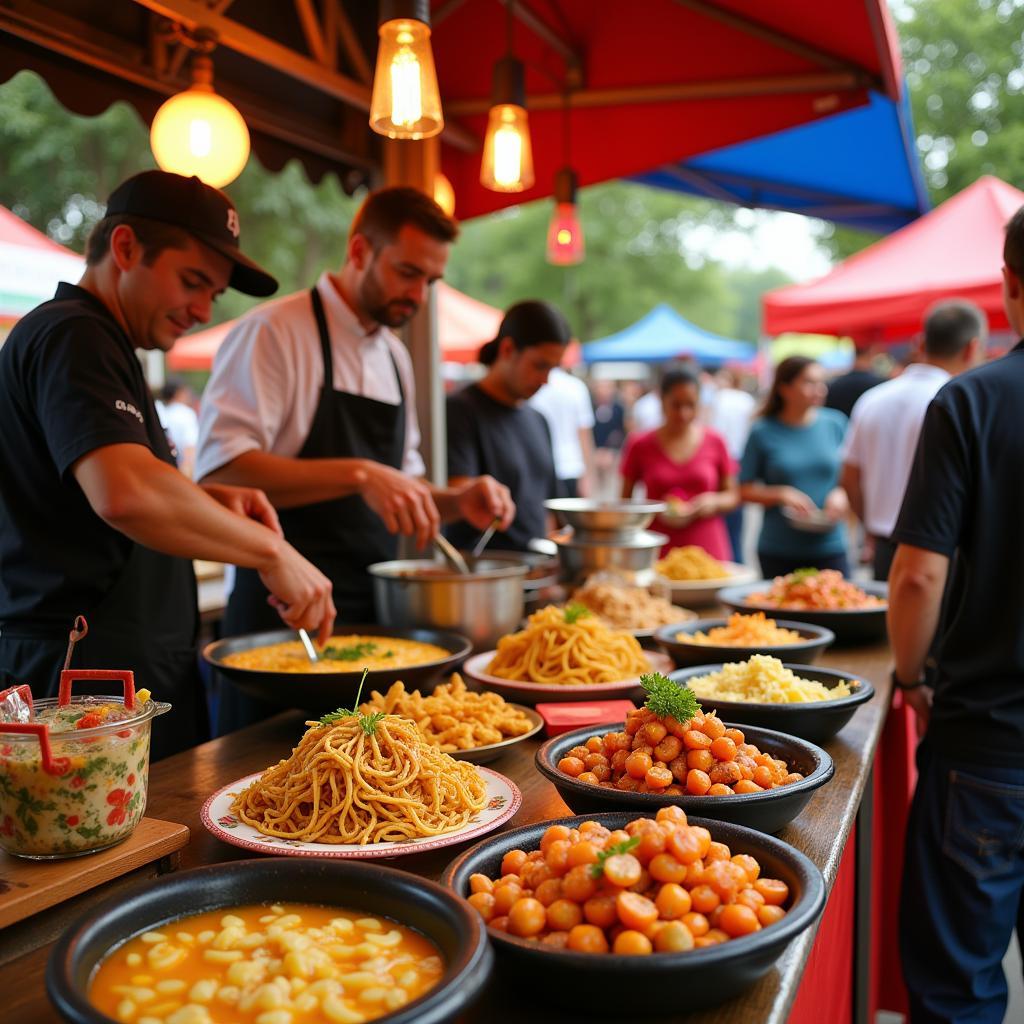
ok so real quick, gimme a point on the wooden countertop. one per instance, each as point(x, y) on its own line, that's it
point(180, 785)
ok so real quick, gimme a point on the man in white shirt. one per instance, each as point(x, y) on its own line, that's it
point(313, 395)
point(730, 412)
point(880, 443)
point(180, 422)
point(564, 401)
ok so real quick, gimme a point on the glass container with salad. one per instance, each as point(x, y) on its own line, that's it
point(74, 771)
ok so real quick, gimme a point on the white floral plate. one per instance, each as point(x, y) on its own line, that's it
point(503, 800)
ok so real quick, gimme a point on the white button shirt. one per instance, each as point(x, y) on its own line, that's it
point(564, 401)
point(882, 438)
point(269, 371)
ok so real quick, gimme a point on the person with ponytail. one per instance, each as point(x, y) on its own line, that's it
point(492, 430)
point(792, 461)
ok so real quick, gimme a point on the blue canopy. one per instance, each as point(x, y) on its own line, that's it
point(859, 168)
point(663, 334)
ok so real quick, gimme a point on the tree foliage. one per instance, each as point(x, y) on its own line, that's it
point(964, 61)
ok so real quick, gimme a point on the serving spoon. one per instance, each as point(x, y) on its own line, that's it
point(453, 556)
point(479, 546)
point(308, 644)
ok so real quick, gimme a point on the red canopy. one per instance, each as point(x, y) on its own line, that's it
point(882, 293)
point(658, 81)
point(463, 325)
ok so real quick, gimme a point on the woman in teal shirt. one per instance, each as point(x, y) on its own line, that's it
point(792, 461)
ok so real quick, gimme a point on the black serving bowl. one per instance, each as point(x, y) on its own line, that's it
point(662, 983)
point(322, 691)
point(851, 626)
point(816, 721)
point(769, 811)
point(453, 926)
point(816, 639)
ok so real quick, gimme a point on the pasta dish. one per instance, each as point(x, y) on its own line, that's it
point(357, 778)
point(340, 654)
point(815, 590)
point(744, 631)
point(625, 607)
point(691, 563)
point(763, 680)
point(568, 646)
point(452, 717)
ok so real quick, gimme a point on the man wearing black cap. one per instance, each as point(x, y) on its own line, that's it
point(94, 518)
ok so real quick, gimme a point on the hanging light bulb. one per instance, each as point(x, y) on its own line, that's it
point(444, 194)
point(406, 103)
point(198, 132)
point(565, 233)
point(508, 155)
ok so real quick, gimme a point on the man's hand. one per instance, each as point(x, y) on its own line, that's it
point(300, 593)
point(920, 700)
point(246, 501)
point(482, 500)
point(404, 503)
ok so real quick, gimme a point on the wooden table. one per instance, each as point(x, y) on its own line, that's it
point(180, 785)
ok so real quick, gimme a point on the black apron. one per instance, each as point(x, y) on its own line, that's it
point(147, 622)
point(340, 537)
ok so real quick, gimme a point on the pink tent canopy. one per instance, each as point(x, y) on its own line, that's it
point(463, 325)
point(882, 293)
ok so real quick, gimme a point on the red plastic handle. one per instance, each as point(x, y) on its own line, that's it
point(126, 676)
point(24, 690)
point(51, 765)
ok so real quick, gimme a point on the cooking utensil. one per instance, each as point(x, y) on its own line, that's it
point(604, 520)
point(479, 546)
point(453, 556)
point(634, 557)
point(484, 606)
point(308, 645)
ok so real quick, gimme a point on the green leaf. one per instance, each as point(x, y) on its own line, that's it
point(576, 611)
point(354, 652)
point(626, 846)
point(368, 723)
point(803, 574)
point(667, 699)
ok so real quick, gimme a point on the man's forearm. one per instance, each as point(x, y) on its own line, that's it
point(290, 483)
point(916, 583)
point(851, 484)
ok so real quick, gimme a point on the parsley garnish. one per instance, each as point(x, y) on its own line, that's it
point(803, 574)
point(627, 845)
point(353, 653)
point(368, 723)
point(666, 699)
point(576, 611)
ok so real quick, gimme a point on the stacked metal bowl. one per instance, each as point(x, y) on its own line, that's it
point(607, 536)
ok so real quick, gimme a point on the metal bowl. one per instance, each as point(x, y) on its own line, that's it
point(453, 926)
point(323, 691)
point(769, 811)
point(604, 520)
point(634, 557)
point(483, 605)
point(626, 987)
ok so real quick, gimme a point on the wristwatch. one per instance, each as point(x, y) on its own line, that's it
point(906, 686)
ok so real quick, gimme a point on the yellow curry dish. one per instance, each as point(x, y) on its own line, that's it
point(282, 964)
point(339, 654)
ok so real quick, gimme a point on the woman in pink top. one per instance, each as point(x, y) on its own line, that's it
point(684, 459)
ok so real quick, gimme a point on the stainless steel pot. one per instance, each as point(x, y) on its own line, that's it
point(609, 521)
point(635, 557)
point(483, 606)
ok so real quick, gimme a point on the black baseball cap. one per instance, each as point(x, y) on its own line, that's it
point(201, 210)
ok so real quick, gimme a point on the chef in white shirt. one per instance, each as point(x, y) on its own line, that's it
point(313, 396)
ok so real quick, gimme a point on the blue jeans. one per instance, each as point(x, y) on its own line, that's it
point(963, 877)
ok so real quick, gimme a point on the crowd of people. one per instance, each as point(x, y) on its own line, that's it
point(307, 469)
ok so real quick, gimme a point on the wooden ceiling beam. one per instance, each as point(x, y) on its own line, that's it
point(351, 45)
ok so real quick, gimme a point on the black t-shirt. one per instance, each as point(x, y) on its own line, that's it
point(70, 382)
point(512, 444)
point(965, 498)
point(844, 391)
